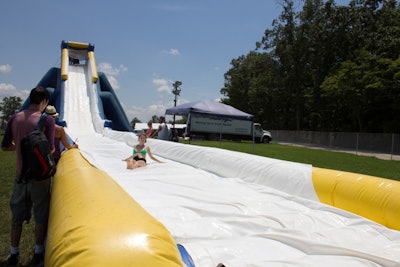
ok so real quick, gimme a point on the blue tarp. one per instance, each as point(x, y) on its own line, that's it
point(209, 107)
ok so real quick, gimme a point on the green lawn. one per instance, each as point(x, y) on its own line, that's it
point(318, 158)
point(7, 175)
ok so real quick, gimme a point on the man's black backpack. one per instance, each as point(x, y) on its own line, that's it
point(37, 161)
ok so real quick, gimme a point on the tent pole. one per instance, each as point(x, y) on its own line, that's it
point(220, 134)
point(252, 127)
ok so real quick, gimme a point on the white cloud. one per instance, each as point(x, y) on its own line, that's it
point(5, 68)
point(145, 114)
point(162, 85)
point(172, 51)
point(111, 72)
point(108, 69)
point(157, 108)
point(123, 68)
point(7, 90)
point(6, 87)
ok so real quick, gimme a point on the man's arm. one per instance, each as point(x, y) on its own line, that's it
point(156, 132)
point(8, 143)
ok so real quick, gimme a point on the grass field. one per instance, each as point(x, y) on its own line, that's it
point(7, 174)
point(318, 158)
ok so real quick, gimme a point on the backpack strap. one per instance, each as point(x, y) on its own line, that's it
point(42, 120)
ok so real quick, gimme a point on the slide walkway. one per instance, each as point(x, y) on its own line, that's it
point(222, 206)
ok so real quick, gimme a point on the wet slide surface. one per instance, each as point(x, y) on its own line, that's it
point(225, 218)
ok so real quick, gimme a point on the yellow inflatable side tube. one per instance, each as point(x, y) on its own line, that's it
point(93, 68)
point(375, 198)
point(78, 45)
point(64, 64)
point(94, 222)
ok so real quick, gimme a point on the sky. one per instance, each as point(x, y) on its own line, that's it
point(141, 46)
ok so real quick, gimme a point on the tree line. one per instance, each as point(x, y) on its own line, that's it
point(323, 67)
point(8, 106)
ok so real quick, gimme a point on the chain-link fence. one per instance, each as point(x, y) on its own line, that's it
point(358, 142)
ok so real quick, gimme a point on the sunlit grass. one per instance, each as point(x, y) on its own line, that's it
point(7, 175)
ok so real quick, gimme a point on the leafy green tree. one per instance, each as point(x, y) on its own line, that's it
point(283, 46)
point(236, 85)
point(322, 37)
point(134, 121)
point(154, 118)
point(289, 56)
point(182, 120)
point(324, 67)
point(9, 106)
point(362, 94)
point(366, 83)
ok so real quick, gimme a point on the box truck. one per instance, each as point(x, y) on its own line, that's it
point(216, 127)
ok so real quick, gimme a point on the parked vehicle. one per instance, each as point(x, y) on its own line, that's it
point(215, 128)
point(261, 135)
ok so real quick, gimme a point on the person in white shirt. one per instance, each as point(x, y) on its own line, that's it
point(162, 131)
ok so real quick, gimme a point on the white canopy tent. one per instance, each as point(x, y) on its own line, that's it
point(211, 108)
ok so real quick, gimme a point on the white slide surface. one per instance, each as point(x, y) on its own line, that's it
point(234, 208)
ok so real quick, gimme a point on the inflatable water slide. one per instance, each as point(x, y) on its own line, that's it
point(202, 206)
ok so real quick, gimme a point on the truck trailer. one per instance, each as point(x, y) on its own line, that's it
point(211, 127)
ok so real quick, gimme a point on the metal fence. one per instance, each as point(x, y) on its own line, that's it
point(357, 142)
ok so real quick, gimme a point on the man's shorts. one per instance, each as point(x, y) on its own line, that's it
point(28, 196)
